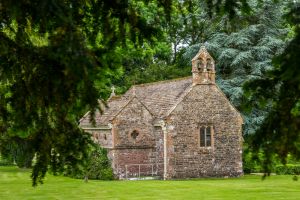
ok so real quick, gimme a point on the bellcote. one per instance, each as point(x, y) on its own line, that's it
point(203, 68)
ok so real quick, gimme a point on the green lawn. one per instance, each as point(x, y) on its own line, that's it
point(16, 184)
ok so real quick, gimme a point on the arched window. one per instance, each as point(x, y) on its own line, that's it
point(200, 65)
point(209, 65)
point(134, 134)
point(205, 136)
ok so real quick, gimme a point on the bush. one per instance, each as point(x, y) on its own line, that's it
point(97, 166)
point(251, 165)
point(287, 169)
point(5, 162)
point(16, 151)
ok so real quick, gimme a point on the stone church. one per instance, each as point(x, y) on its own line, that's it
point(181, 128)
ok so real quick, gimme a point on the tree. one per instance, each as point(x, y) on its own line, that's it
point(245, 52)
point(52, 53)
point(16, 150)
point(279, 133)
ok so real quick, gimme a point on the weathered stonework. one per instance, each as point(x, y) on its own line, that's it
point(154, 129)
point(204, 105)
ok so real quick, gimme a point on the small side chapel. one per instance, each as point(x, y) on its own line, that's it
point(181, 128)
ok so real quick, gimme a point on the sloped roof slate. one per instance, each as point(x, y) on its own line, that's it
point(158, 97)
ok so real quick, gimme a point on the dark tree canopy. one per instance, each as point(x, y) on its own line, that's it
point(51, 54)
point(279, 133)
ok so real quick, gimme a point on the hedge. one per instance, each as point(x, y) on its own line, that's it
point(287, 169)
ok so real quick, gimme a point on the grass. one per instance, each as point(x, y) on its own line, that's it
point(16, 184)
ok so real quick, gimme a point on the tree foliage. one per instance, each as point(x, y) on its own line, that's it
point(279, 132)
point(96, 167)
point(99, 166)
point(244, 51)
point(16, 151)
point(52, 53)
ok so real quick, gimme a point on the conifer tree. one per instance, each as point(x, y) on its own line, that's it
point(278, 134)
point(244, 51)
point(56, 58)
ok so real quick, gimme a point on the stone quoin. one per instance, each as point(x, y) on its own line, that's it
point(181, 128)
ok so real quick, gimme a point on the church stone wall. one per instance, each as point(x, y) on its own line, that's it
point(204, 105)
point(103, 137)
point(159, 151)
point(134, 141)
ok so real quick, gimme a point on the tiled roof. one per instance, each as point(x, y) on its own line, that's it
point(158, 97)
point(113, 106)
